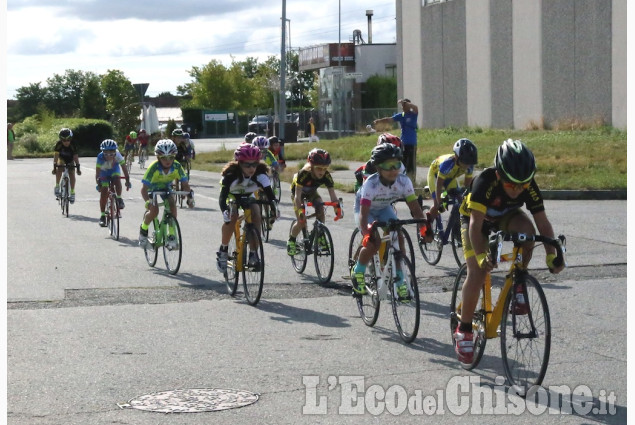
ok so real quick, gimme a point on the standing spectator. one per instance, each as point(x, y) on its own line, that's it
point(408, 121)
point(310, 129)
point(10, 140)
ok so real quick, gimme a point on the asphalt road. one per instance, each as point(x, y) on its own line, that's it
point(90, 326)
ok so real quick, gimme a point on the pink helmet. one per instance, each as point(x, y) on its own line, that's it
point(389, 138)
point(247, 153)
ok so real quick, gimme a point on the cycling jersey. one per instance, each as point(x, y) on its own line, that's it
point(488, 196)
point(65, 153)
point(368, 169)
point(233, 183)
point(309, 183)
point(109, 168)
point(377, 195)
point(277, 154)
point(184, 150)
point(446, 167)
point(143, 138)
point(130, 143)
point(157, 179)
point(268, 158)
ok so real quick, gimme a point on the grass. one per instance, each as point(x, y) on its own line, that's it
point(590, 159)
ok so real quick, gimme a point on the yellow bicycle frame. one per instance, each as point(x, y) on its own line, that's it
point(241, 237)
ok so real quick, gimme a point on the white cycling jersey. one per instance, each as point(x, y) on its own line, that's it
point(379, 196)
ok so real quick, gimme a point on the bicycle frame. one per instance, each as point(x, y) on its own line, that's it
point(316, 222)
point(161, 226)
point(452, 221)
point(384, 267)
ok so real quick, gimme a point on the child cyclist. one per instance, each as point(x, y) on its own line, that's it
point(241, 178)
point(143, 139)
point(377, 193)
point(494, 203)
point(110, 162)
point(304, 187)
point(446, 169)
point(277, 150)
point(130, 144)
point(362, 173)
point(159, 176)
point(65, 153)
point(262, 143)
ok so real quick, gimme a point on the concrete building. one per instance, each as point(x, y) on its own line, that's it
point(513, 63)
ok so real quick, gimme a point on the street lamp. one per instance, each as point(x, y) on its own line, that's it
point(283, 61)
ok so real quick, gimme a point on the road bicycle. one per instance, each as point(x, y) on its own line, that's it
point(244, 236)
point(275, 184)
point(113, 214)
point(165, 234)
point(388, 270)
point(129, 159)
point(185, 163)
point(317, 242)
point(526, 332)
point(451, 234)
point(65, 188)
point(143, 157)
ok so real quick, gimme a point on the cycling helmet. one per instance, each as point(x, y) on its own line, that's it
point(466, 151)
point(250, 136)
point(186, 135)
point(389, 138)
point(108, 145)
point(384, 152)
point(66, 133)
point(319, 157)
point(260, 142)
point(177, 132)
point(247, 152)
point(133, 134)
point(273, 139)
point(165, 147)
point(515, 162)
point(142, 131)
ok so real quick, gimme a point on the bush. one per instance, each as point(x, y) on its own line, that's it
point(31, 144)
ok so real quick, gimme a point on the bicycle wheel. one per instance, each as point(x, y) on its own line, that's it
point(233, 271)
point(275, 185)
point(265, 217)
point(354, 246)
point(172, 245)
point(408, 247)
point(525, 348)
point(368, 304)
point(65, 189)
point(142, 159)
point(129, 161)
point(323, 254)
point(299, 259)
point(113, 224)
point(478, 321)
point(457, 243)
point(254, 274)
point(432, 251)
point(406, 310)
point(150, 249)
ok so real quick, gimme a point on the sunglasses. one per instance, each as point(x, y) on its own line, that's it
point(109, 153)
point(170, 157)
point(66, 140)
point(321, 167)
point(390, 165)
point(249, 164)
point(514, 186)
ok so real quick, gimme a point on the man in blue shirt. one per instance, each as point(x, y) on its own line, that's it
point(408, 122)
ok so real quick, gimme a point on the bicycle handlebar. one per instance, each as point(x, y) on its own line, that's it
point(496, 240)
point(395, 224)
point(337, 204)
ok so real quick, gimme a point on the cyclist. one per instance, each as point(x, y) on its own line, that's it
point(65, 153)
point(446, 169)
point(183, 146)
point(494, 203)
point(241, 178)
point(249, 137)
point(190, 145)
point(159, 176)
point(367, 169)
point(143, 139)
point(277, 149)
point(304, 187)
point(130, 144)
point(262, 143)
point(377, 194)
point(110, 162)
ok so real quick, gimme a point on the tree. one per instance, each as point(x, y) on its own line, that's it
point(64, 92)
point(379, 92)
point(30, 98)
point(122, 103)
point(93, 103)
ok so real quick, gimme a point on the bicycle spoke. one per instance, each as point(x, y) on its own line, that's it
point(172, 245)
point(300, 258)
point(253, 271)
point(431, 252)
point(406, 308)
point(149, 249)
point(233, 271)
point(368, 303)
point(323, 254)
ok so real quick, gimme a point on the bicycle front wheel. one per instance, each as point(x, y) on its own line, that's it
point(368, 303)
point(354, 246)
point(65, 188)
point(265, 219)
point(478, 321)
point(431, 252)
point(408, 247)
point(405, 309)
point(253, 266)
point(323, 254)
point(526, 339)
point(275, 185)
point(172, 245)
point(299, 259)
point(233, 270)
point(113, 224)
point(457, 243)
point(149, 249)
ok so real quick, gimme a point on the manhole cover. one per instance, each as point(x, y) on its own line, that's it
point(192, 400)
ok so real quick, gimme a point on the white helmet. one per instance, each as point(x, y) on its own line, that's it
point(165, 147)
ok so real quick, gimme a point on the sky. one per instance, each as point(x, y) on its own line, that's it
point(159, 41)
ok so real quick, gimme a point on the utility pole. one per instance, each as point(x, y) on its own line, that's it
point(339, 66)
point(283, 68)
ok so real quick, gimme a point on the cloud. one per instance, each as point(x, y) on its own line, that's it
point(63, 41)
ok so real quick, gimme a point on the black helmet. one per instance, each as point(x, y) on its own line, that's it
point(319, 157)
point(515, 162)
point(65, 133)
point(466, 151)
point(384, 152)
point(250, 136)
